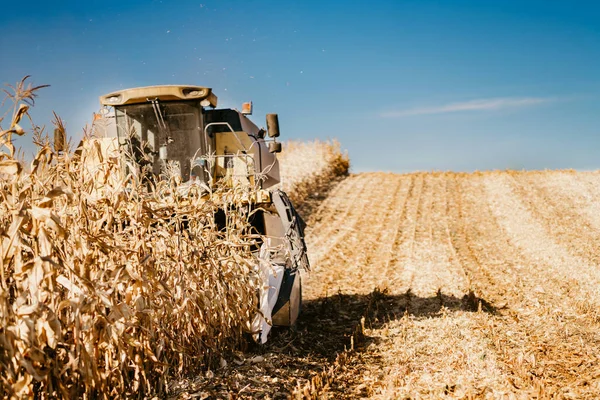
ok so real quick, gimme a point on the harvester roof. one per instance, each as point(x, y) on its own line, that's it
point(163, 93)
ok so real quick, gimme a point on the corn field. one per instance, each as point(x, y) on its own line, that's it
point(310, 167)
point(112, 292)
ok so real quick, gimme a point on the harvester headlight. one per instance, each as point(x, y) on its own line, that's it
point(194, 93)
point(114, 99)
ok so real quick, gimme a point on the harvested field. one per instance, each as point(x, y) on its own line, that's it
point(432, 285)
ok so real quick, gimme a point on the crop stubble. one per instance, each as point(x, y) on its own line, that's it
point(487, 283)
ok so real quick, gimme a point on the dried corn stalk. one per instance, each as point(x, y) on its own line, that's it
point(108, 293)
point(307, 167)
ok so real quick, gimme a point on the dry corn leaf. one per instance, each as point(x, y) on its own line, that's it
point(67, 284)
point(10, 167)
point(21, 111)
point(18, 130)
point(46, 216)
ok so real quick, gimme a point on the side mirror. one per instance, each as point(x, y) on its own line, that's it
point(275, 147)
point(273, 125)
point(60, 140)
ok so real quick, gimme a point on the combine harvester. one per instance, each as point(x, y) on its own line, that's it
point(179, 130)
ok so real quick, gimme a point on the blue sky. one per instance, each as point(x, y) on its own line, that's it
point(403, 85)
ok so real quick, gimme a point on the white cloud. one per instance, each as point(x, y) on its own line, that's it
point(498, 103)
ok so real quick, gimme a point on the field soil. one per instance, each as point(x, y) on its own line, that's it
point(439, 285)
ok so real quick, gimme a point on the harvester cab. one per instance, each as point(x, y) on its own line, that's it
point(178, 131)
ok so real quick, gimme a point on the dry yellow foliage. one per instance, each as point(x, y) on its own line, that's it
point(112, 293)
point(308, 167)
point(108, 294)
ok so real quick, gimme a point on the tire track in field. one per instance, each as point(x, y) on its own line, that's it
point(390, 250)
point(334, 212)
point(395, 214)
point(434, 351)
point(438, 271)
point(422, 256)
point(591, 180)
point(499, 274)
point(453, 212)
point(497, 271)
point(587, 189)
point(530, 236)
point(452, 279)
point(559, 216)
point(455, 235)
point(570, 188)
point(362, 251)
point(480, 246)
point(335, 206)
point(345, 260)
point(549, 343)
point(328, 233)
point(353, 267)
point(540, 339)
point(377, 238)
point(401, 268)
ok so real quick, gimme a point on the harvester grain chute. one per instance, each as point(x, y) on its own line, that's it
point(180, 129)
